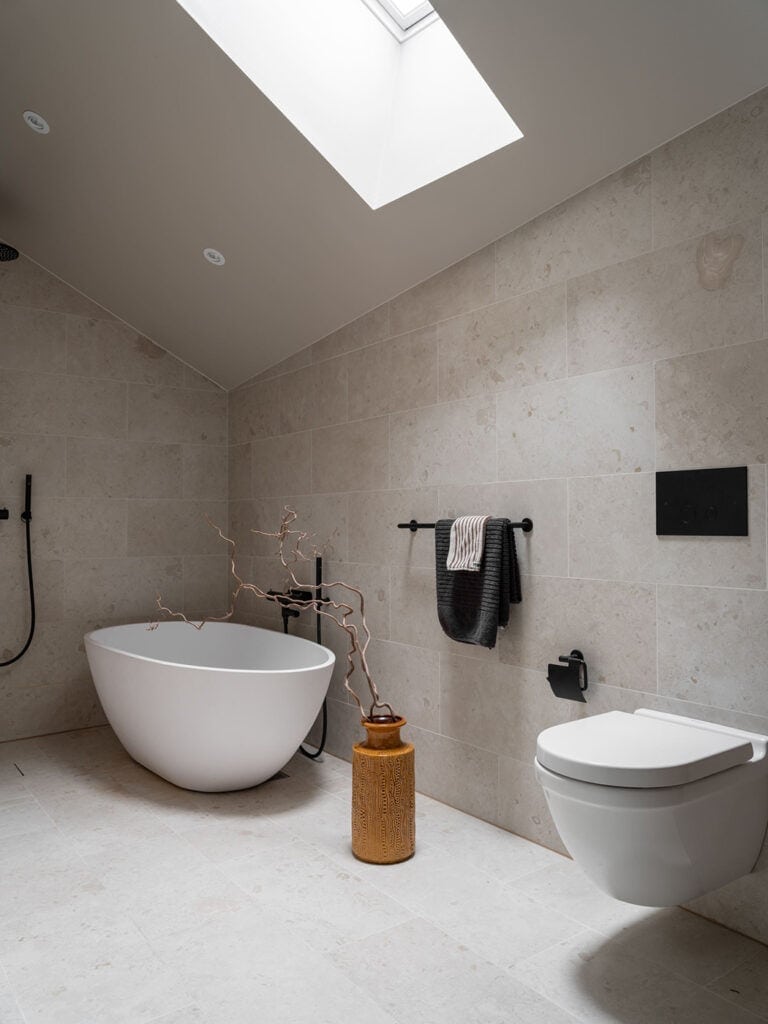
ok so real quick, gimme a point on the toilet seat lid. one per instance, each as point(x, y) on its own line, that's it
point(639, 752)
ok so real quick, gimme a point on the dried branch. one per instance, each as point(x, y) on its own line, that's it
point(291, 554)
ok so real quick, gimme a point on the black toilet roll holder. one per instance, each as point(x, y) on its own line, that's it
point(569, 680)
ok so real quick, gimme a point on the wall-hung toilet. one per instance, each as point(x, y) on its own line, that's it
point(655, 808)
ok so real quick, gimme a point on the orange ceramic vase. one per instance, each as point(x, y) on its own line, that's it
point(383, 795)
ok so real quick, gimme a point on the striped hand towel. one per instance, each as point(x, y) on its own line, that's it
point(467, 543)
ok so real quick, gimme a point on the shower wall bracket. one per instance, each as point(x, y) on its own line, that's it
point(4, 513)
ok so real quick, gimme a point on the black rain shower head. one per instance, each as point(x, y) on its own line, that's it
point(7, 252)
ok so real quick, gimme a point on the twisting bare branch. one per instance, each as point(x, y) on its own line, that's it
point(290, 551)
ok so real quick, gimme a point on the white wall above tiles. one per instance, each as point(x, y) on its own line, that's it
point(547, 375)
point(126, 447)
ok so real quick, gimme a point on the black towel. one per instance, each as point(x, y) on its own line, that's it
point(472, 605)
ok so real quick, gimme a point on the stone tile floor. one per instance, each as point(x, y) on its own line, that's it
point(124, 899)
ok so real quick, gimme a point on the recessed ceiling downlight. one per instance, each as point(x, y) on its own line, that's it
point(36, 122)
point(215, 257)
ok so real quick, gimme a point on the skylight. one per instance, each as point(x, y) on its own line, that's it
point(391, 111)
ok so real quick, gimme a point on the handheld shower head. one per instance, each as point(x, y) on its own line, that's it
point(7, 252)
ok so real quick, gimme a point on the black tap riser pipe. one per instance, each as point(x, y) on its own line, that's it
point(319, 636)
point(26, 517)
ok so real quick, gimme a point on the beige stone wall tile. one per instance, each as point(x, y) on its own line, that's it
point(48, 578)
point(243, 517)
point(98, 348)
point(34, 711)
point(711, 408)
point(544, 551)
point(414, 618)
point(612, 527)
point(454, 442)
point(294, 362)
point(597, 424)
point(465, 285)
point(254, 412)
point(714, 174)
point(613, 624)
point(373, 581)
point(365, 330)
point(204, 471)
point(397, 374)
point(281, 465)
point(32, 403)
point(207, 584)
point(122, 588)
point(351, 457)
point(115, 468)
point(79, 527)
point(373, 533)
point(409, 679)
point(239, 472)
point(315, 396)
point(31, 340)
point(25, 283)
point(523, 806)
point(325, 518)
point(609, 222)
point(95, 408)
point(175, 415)
point(713, 646)
point(497, 707)
point(42, 456)
point(457, 773)
point(174, 527)
point(664, 304)
point(720, 561)
point(56, 659)
point(506, 345)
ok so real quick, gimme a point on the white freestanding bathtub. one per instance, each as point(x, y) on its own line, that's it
point(220, 708)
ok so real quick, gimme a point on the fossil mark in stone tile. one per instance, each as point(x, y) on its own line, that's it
point(715, 257)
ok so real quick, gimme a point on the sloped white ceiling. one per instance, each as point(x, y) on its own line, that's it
point(160, 146)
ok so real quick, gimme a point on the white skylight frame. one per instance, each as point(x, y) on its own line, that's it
point(403, 25)
point(407, 12)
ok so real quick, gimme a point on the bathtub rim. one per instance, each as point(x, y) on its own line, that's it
point(329, 660)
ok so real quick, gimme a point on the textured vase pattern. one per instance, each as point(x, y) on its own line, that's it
point(383, 796)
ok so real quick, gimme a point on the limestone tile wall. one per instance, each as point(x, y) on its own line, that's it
point(548, 375)
point(126, 446)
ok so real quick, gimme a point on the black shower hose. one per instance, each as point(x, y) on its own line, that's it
point(4, 664)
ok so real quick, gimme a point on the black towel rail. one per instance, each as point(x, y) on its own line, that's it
point(526, 526)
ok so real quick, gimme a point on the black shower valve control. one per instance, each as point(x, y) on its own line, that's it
point(4, 514)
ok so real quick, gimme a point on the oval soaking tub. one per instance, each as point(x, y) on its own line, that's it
point(220, 708)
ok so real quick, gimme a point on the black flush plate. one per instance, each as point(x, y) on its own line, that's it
point(702, 502)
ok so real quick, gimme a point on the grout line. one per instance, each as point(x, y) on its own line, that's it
point(567, 527)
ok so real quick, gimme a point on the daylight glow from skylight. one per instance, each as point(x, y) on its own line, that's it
point(390, 108)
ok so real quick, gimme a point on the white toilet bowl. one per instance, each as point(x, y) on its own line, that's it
point(657, 809)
